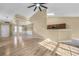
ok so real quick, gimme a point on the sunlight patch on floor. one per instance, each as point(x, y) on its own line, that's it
point(60, 48)
point(49, 44)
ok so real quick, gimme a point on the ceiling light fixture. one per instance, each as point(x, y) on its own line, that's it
point(37, 5)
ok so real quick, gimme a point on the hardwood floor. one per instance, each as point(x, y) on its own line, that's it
point(35, 46)
point(23, 46)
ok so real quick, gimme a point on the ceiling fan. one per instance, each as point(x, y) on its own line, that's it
point(38, 5)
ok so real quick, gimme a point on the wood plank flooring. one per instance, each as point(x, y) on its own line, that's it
point(23, 47)
point(35, 46)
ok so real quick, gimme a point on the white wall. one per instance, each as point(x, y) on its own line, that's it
point(40, 26)
point(71, 22)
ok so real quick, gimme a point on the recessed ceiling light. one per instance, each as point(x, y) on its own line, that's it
point(51, 14)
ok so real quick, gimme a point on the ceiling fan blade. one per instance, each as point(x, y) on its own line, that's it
point(43, 6)
point(34, 3)
point(40, 9)
point(42, 3)
point(31, 6)
point(35, 8)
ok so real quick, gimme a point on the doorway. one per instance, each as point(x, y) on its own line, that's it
point(23, 29)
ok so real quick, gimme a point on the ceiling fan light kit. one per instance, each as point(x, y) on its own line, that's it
point(38, 5)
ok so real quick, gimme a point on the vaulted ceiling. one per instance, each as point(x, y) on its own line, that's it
point(64, 9)
point(8, 10)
